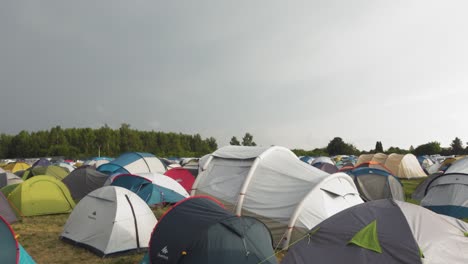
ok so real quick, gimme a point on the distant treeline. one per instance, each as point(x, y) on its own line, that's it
point(81, 143)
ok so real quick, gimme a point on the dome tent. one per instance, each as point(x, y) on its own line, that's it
point(41, 195)
point(8, 178)
point(374, 184)
point(273, 185)
point(110, 220)
point(152, 188)
point(11, 251)
point(182, 176)
point(404, 166)
point(207, 233)
point(383, 231)
point(133, 162)
point(447, 194)
point(52, 170)
point(84, 180)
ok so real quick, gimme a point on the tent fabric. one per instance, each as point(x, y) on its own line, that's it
point(327, 167)
point(376, 158)
point(275, 187)
point(110, 220)
point(133, 163)
point(66, 166)
point(330, 243)
point(374, 184)
point(420, 191)
point(84, 180)
point(11, 251)
point(458, 166)
point(448, 194)
point(41, 195)
point(207, 233)
point(6, 211)
point(42, 162)
point(182, 176)
point(374, 165)
point(322, 160)
point(16, 166)
point(8, 178)
point(52, 170)
point(152, 188)
point(404, 166)
point(8, 189)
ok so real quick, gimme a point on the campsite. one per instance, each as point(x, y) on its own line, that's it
point(264, 201)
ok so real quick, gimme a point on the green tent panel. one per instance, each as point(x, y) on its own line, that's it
point(51, 170)
point(367, 238)
point(8, 189)
point(41, 195)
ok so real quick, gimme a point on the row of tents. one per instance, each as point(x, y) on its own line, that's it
point(268, 189)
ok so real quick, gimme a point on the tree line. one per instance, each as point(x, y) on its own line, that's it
point(337, 146)
point(81, 143)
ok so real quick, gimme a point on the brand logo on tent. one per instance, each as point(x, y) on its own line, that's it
point(92, 216)
point(179, 180)
point(163, 253)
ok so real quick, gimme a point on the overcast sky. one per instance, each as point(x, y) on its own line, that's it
point(292, 73)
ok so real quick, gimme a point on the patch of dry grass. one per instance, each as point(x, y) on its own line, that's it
point(39, 235)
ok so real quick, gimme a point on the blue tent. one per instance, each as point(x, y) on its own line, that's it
point(133, 162)
point(10, 250)
point(152, 192)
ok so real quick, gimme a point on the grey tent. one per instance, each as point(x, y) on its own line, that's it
point(6, 211)
point(383, 231)
point(420, 190)
point(448, 194)
point(374, 184)
point(8, 178)
point(84, 180)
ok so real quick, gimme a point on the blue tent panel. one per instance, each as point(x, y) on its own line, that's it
point(25, 258)
point(450, 210)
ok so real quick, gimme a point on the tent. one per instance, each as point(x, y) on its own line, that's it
point(327, 167)
point(273, 185)
point(6, 211)
point(41, 195)
point(84, 180)
point(52, 170)
point(377, 157)
point(383, 231)
point(459, 166)
point(404, 166)
point(182, 176)
point(8, 178)
point(447, 194)
point(132, 163)
point(8, 189)
point(321, 160)
point(97, 161)
point(16, 166)
point(66, 166)
point(152, 188)
point(11, 251)
point(207, 233)
point(374, 184)
point(110, 220)
point(373, 165)
point(191, 164)
point(42, 162)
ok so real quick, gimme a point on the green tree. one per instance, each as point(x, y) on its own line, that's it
point(457, 147)
point(430, 148)
point(378, 147)
point(234, 141)
point(247, 140)
point(337, 146)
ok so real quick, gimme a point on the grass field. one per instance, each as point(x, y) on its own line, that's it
point(40, 237)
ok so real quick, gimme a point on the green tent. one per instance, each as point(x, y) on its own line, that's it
point(8, 189)
point(51, 170)
point(41, 195)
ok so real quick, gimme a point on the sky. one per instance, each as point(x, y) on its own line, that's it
point(291, 73)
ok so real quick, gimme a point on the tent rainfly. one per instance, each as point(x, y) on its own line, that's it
point(84, 180)
point(273, 185)
point(133, 163)
point(404, 166)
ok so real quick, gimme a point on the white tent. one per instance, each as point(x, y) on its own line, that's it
point(404, 166)
point(273, 185)
point(322, 159)
point(459, 166)
point(110, 220)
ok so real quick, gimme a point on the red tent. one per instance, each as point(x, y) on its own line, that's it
point(182, 176)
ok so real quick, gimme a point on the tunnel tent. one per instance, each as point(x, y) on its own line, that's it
point(404, 166)
point(273, 185)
